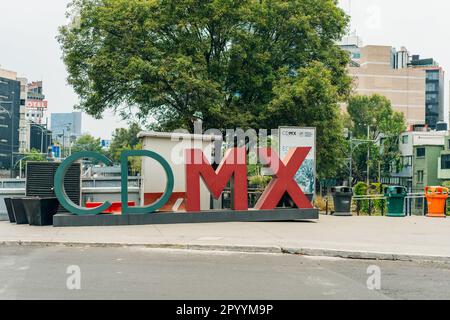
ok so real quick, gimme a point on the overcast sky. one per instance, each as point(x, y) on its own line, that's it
point(28, 46)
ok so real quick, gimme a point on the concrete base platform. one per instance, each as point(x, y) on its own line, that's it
point(281, 214)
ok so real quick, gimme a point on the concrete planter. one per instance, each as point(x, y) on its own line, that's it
point(40, 211)
point(19, 211)
point(9, 209)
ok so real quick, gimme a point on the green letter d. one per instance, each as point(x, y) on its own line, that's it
point(124, 172)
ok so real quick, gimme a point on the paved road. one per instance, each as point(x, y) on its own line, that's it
point(29, 272)
point(418, 236)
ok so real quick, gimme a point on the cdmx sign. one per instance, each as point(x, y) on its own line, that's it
point(233, 165)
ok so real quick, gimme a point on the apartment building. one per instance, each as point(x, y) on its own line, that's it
point(419, 155)
point(383, 70)
point(435, 111)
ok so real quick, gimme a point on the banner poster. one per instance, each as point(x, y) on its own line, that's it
point(291, 137)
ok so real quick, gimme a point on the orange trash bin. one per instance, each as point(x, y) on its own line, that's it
point(436, 199)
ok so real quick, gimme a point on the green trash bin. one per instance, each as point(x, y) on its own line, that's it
point(342, 198)
point(395, 201)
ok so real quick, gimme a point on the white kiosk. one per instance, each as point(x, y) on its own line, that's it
point(171, 146)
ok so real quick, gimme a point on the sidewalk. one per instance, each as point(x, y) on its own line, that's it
point(410, 238)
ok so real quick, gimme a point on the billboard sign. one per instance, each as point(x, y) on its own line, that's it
point(294, 137)
point(105, 143)
point(56, 150)
point(37, 104)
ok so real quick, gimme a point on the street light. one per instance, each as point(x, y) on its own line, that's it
point(69, 130)
point(42, 133)
point(354, 143)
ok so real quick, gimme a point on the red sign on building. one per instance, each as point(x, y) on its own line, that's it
point(37, 104)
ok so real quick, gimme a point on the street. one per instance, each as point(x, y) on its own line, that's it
point(36, 272)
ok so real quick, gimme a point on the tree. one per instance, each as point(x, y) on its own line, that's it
point(87, 143)
point(385, 126)
point(124, 139)
point(33, 155)
point(221, 61)
point(310, 100)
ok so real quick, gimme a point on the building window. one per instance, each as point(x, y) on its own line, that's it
point(420, 152)
point(432, 97)
point(405, 139)
point(445, 162)
point(420, 176)
point(432, 87)
point(433, 75)
point(407, 161)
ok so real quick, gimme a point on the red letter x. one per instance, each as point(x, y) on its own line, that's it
point(283, 181)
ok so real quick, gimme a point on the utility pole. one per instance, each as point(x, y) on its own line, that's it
point(368, 155)
point(12, 134)
point(64, 142)
point(379, 171)
point(350, 178)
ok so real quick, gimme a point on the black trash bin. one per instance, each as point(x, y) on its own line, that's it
point(10, 211)
point(342, 198)
point(19, 211)
point(40, 211)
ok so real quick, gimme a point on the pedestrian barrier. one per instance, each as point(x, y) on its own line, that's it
point(371, 203)
point(376, 204)
point(436, 200)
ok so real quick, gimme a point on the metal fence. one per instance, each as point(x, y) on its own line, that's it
point(415, 204)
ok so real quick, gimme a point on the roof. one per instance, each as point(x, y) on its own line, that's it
point(178, 135)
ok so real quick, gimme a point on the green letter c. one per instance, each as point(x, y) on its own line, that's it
point(60, 191)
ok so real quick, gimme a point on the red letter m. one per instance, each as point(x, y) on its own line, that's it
point(234, 163)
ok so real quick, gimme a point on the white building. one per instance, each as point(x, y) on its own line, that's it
point(403, 175)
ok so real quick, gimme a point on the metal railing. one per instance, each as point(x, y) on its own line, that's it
point(415, 203)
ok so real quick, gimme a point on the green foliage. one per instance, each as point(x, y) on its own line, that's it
point(124, 139)
point(33, 155)
point(87, 143)
point(378, 206)
point(385, 124)
point(310, 100)
point(134, 163)
point(248, 63)
point(360, 189)
point(259, 181)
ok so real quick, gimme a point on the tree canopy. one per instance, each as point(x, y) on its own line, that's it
point(228, 63)
point(124, 139)
point(87, 143)
point(385, 126)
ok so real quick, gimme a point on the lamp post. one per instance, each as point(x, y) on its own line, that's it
point(354, 143)
point(68, 127)
point(42, 133)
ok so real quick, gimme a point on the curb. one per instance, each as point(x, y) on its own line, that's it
point(314, 252)
point(173, 246)
point(363, 255)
